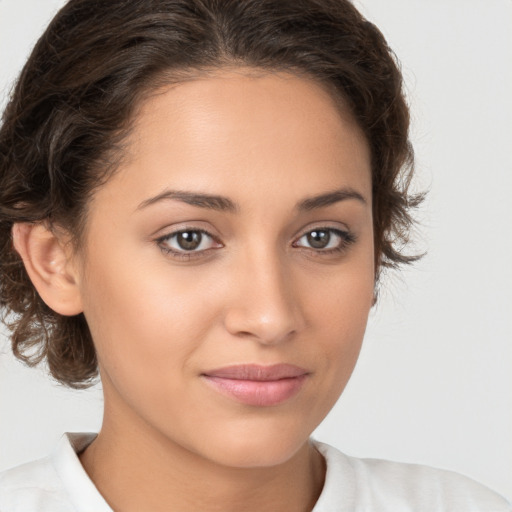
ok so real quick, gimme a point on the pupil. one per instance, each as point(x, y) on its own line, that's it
point(189, 240)
point(319, 239)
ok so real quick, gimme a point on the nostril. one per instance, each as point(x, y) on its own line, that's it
point(248, 324)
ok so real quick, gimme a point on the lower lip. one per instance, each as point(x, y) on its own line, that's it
point(258, 393)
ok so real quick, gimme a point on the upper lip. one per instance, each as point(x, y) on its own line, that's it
point(257, 372)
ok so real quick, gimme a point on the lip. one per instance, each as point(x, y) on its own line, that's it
point(257, 385)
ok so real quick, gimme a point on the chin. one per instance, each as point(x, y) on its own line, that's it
point(252, 447)
point(253, 455)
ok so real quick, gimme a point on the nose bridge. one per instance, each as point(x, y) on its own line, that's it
point(265, 306)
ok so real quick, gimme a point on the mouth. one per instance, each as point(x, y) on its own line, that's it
point(257, 385)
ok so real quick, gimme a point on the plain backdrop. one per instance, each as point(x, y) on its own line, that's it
point(433, 384)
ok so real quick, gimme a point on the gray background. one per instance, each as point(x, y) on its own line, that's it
point(433, 384)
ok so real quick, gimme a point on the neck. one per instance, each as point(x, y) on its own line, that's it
point(154, 473)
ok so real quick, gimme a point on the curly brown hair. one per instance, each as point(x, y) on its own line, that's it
point(76, 95)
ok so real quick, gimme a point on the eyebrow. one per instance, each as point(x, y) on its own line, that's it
point(212, 202)
point(224, 204)
point(323, 200)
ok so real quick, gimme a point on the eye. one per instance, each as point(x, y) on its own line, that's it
point(325, 240)
point(187, 241)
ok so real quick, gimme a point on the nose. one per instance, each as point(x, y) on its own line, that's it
point(266, 303)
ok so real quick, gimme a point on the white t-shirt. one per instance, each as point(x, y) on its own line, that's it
point(58, 483)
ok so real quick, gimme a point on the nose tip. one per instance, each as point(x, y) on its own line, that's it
point(266, 310)
point(267, 330)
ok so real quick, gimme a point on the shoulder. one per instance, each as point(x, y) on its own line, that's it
point(57, 483)
point(373, 484)
point(33, 486)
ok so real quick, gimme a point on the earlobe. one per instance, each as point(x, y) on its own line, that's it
point(48, 262)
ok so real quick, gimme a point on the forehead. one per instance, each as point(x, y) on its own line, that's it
point(239, 132)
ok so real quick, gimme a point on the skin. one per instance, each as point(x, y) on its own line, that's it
point(256, 292)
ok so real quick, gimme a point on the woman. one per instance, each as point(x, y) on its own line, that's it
point(197, 200)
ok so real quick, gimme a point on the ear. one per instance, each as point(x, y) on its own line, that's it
point(49, 264)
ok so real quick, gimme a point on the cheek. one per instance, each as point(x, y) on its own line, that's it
point(345, 324)
point(149, 319)
point(137, 314)
point(341, 315)
point(145, 331)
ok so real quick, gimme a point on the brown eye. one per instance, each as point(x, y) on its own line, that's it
point(325, 240)
point(189, 240)
point(318, 239)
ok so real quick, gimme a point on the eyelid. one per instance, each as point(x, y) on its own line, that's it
point(185, 225)
point(323, 226)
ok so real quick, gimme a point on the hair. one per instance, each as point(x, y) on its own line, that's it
point(77, 93)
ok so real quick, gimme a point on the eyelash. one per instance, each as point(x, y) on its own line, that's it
point(347, 239)
point(183, 255)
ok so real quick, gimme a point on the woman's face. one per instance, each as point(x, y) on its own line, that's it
point(236, 236)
